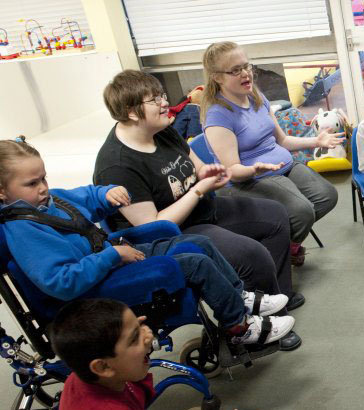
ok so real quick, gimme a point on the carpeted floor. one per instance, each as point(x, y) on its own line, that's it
point(325, 373)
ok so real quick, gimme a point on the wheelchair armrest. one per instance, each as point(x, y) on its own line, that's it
point(148, 232)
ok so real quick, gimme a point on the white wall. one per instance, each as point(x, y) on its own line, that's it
point(42, 94)
point(69, 152)
point(17, 111)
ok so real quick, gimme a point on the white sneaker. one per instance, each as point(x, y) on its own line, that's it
point(269, 304)
point(281, 325)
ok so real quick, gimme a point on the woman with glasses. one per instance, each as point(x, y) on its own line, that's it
point(166, 180)
point(244, 136)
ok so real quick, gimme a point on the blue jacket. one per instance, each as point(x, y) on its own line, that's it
point(62, 264)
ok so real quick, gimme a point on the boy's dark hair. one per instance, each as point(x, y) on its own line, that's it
point(85, 330)
point(127, 90)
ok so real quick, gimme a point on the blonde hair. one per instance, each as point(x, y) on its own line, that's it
point(10, 151)
point(211, 59)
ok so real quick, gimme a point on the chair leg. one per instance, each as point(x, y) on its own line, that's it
point(317, 239)
point(361, 200)
point(353, 188)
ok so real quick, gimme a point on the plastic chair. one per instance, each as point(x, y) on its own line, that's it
point(357, 178)
point(199, 146)
point(33, 372)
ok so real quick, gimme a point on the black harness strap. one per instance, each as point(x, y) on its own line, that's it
point(266, 328)
point(257, 300)
point(77, 224)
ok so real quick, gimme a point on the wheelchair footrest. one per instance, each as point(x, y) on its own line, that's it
point(233, 355)
point(257, 351)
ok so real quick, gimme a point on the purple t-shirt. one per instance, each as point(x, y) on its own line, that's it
point(254, 131)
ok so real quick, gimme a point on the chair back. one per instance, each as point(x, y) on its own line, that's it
point(357, 176)
point(198, 144)
point(354, 153)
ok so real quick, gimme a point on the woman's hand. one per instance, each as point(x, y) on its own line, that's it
point(118, 196)
point(328, 140)
point(260, 168)
point(210, 170)
point(129, 254)
point(211, 183)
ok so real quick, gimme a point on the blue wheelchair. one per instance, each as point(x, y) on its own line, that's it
point(154, 287)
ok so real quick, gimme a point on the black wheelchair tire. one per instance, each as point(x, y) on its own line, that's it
point(211, 404)
point(190, 356)
point(45, 399)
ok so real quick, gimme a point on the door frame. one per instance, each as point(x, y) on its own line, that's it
point(349, 41)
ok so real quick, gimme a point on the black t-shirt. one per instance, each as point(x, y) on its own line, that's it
point(161, 177)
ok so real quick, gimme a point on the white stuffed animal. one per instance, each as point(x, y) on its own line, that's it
point(334, 119)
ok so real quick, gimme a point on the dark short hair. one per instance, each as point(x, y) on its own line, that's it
point(85, 330)
point(127, 90)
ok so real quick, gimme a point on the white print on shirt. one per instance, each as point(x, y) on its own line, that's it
point(181, 183)
point(189, 181)
point(176, 187)
point(172, 165)
point(188, 166)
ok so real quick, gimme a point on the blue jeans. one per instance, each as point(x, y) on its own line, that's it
point(187, 121)
point(208, 273)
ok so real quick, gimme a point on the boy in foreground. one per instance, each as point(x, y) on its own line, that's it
point(107, 347)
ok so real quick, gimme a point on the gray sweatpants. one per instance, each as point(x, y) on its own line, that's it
point(306, 195)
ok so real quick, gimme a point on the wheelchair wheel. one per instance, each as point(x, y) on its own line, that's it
point(17, 401)
point(45, 399)
point(211, 404)
point(43, 393)
point(204, 360)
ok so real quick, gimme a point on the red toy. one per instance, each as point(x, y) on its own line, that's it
point(7, 52)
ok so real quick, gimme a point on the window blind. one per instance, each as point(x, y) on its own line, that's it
point(161, 26)
point(47, 13)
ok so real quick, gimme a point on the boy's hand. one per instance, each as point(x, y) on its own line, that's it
point(118, 196)
point(129, 254)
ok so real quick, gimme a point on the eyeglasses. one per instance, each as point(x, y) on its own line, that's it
point(157, 99)
point(237, 71)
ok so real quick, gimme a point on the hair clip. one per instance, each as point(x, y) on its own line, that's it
point(21, 138)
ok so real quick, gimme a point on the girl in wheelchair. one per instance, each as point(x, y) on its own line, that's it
point(69, 264)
